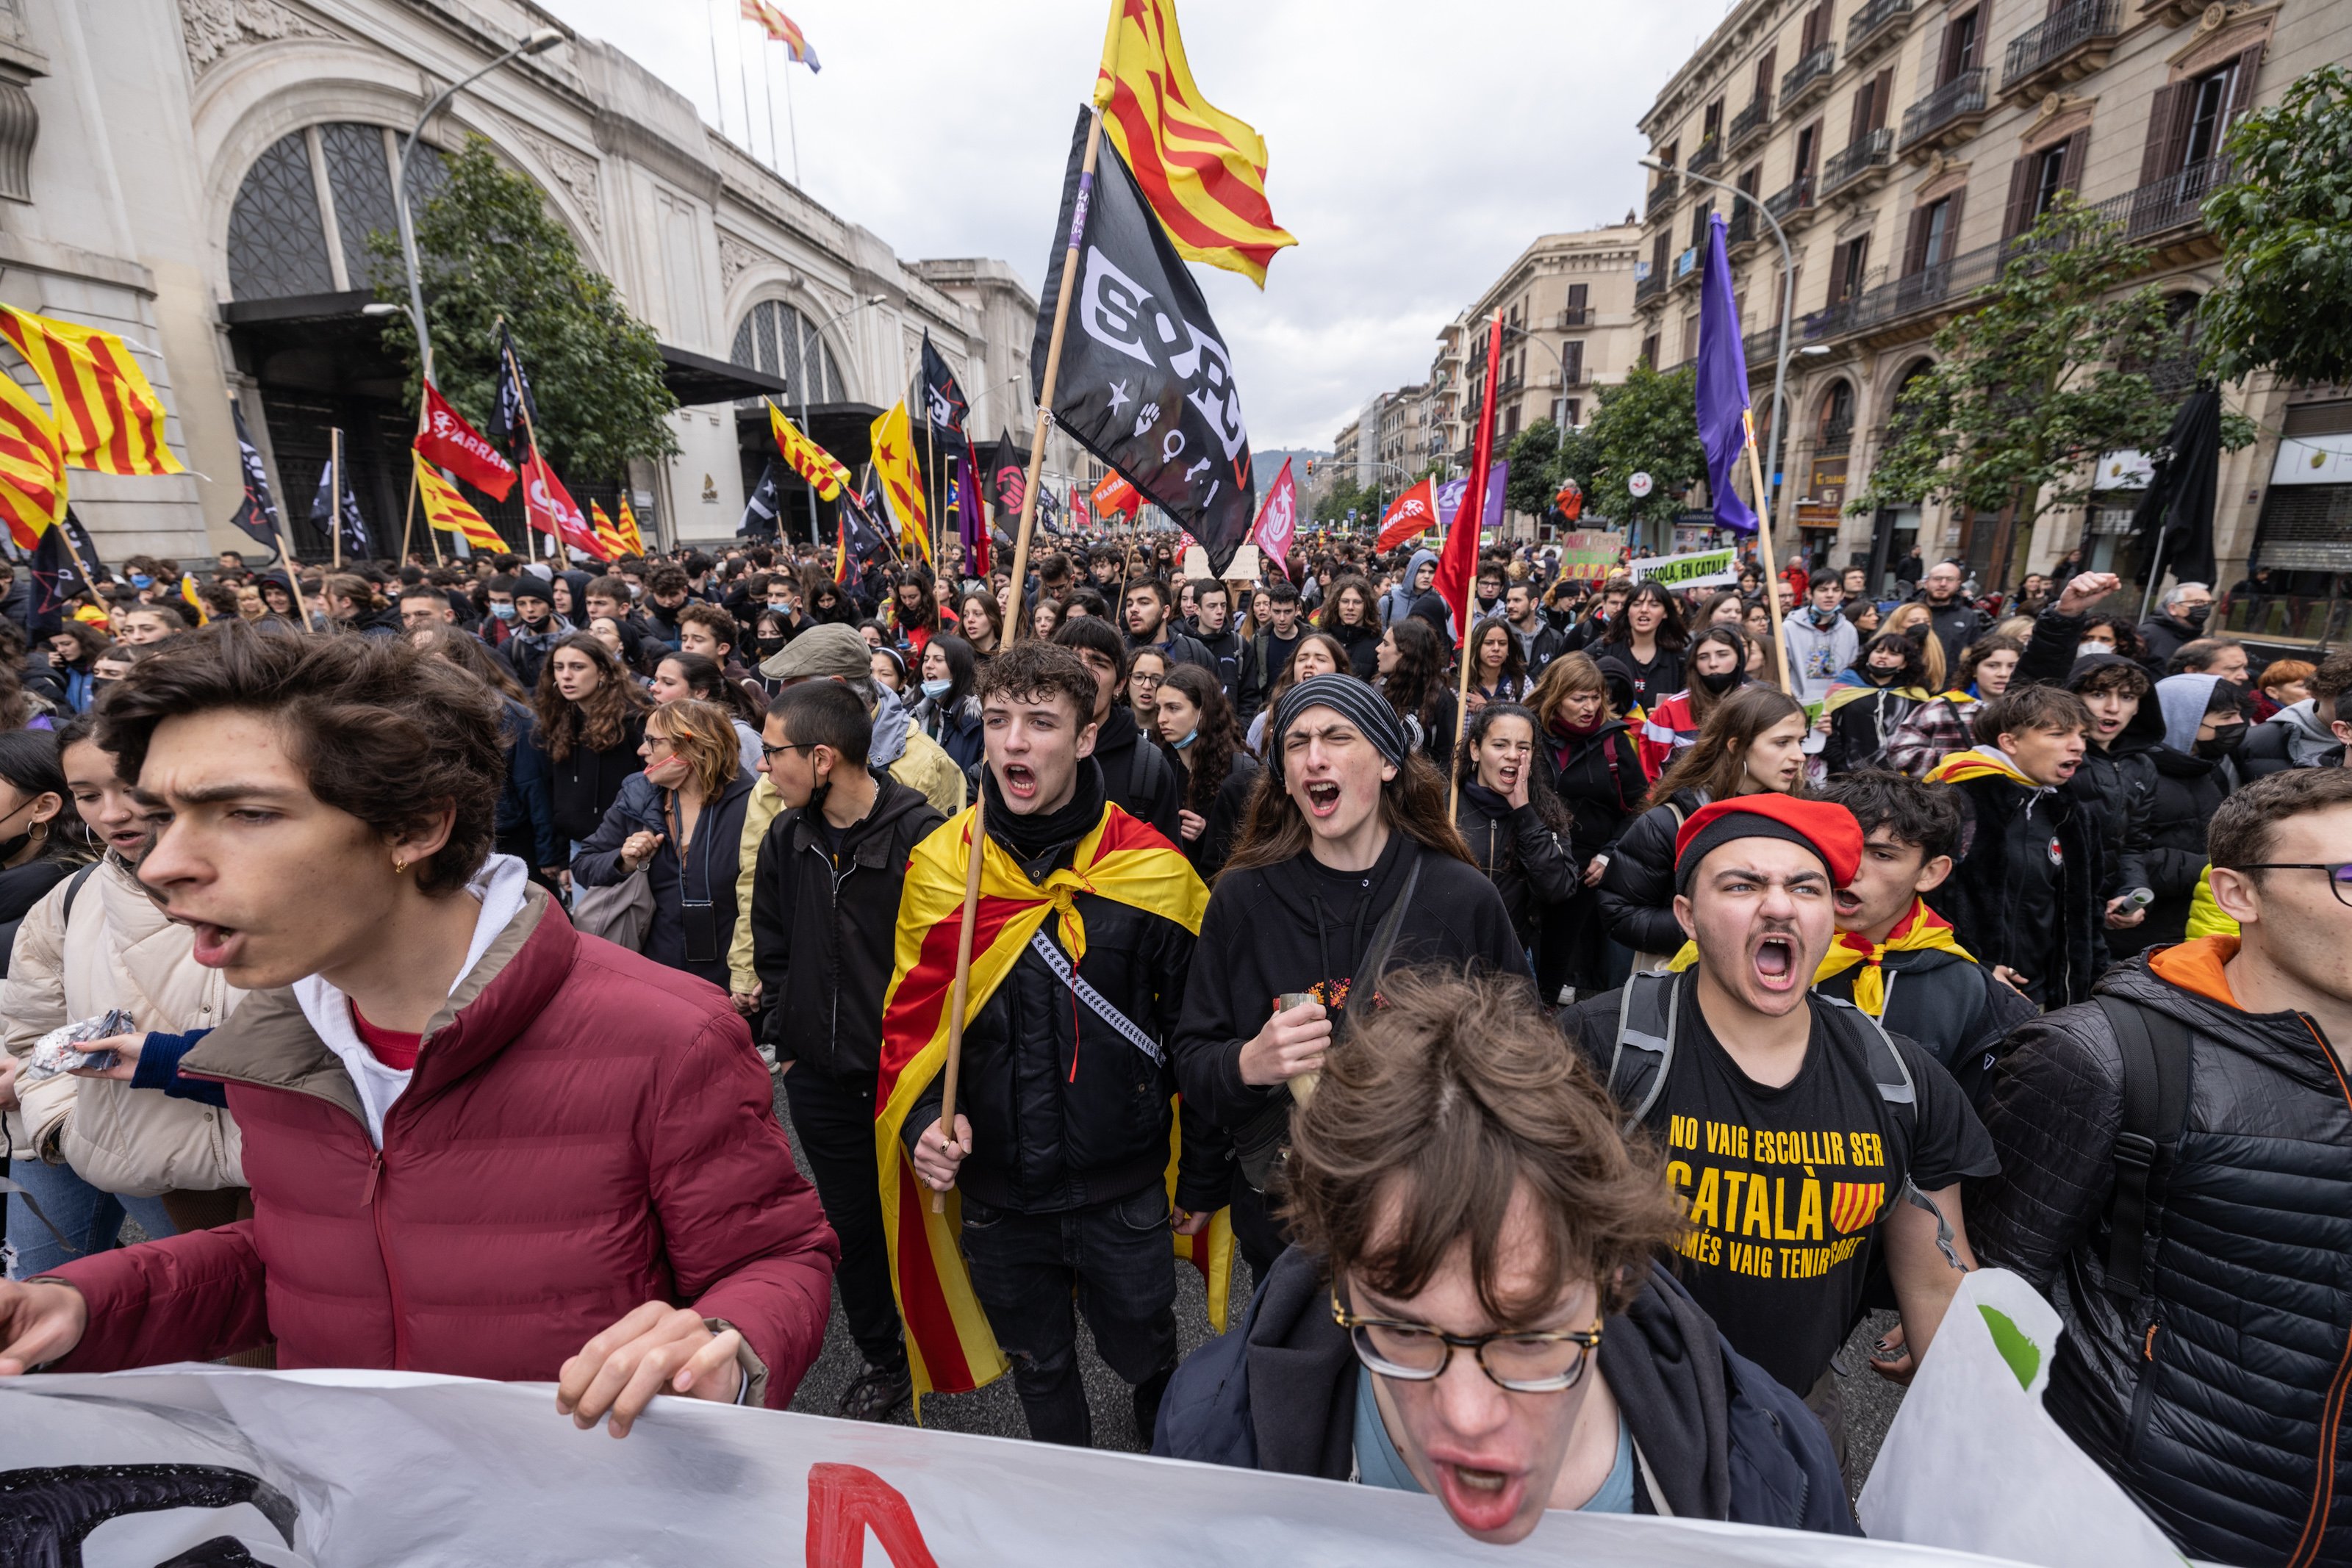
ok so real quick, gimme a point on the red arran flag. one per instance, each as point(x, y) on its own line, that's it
point(1114, 495)
point(1458, 560)
point(1080, 516)
point(449, 442)
point(1277, 520)
point(1409, 515)
point(551, 509)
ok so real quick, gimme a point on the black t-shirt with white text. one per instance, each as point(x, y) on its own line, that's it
point(1787, 1187)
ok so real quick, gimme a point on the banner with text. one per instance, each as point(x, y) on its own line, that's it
point(1699, 569)
point(322, 1468)
point(1589, 552)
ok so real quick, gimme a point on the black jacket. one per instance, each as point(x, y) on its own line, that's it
point(1529, 862)
point(1724, 1440)
point(1064, 1113)
point(1637, 891)
point(2164, 635)
point(1955, 624)
point(2214, 1398)
point(1546, 645)
point(1231, 658)
point(584, 786)
point(1271, 931)
point(1363, 645)
point(1226, 812)
point(2188, 790)
point(1953, 1009)
point(706, 874)
point(824, 933)
point(2004, 825)
point(21, 887)
point(1598, 779)
point(525, 814)
point(2291, 737)
point(1181, 648)
point(1137, 774)
point(1860, 728)
point(2119, 781)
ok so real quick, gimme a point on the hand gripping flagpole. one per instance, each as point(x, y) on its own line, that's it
point(1014, 620)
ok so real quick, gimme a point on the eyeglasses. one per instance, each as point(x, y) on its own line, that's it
point(1544, 1362)
point(2339, 875)
point(769, 752)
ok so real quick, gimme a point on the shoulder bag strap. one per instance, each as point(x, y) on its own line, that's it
point(1365, 982)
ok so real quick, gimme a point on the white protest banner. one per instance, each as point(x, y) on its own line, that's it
point(325, 1470)
point(1699, 569)
point(1973, 1457)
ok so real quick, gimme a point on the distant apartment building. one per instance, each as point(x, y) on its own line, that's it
point(1903, 144)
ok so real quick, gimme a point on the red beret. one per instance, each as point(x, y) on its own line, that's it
point(1829, 830)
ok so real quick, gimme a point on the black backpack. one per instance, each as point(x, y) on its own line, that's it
point(1649, 1011)
point(2155, 1050)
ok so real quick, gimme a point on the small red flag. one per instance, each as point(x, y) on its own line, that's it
point(1114, 495)
point(551, 511)
point(1409, 515)
point(1457, 561)
point(1277, 520)
point(449, 442)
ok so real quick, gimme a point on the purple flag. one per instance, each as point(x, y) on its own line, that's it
point(1722, 384)
point(1450, 494)
point(971, 513)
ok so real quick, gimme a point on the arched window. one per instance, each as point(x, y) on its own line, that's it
point(286, 238)
point(779, 340)
point(1835, 432)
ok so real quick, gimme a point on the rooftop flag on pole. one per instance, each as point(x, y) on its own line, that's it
point(902, 479)
point(1202, 170)
point(450, 512)
point(810, 461)
point(108, 416)
point(32, 466)
point(1145, 382)
point(449, 442)
point(781, 30)
point(1722, 384)
point(256, 515)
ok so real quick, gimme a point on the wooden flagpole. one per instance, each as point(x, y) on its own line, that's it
point(1764, 544)
point(335, 492)
point(1014, 622)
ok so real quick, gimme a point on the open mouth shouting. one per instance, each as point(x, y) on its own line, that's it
point(1481, 1500)
point(1848, 902)
point(1020, 781)
point(1322, 799)
point(1774, 961)
point(215, 947)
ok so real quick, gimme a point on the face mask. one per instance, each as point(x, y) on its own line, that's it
point(503, 611)
point(2222, 743)
point(1720, 682)
point(1190, 736)
point(2084, 650)
point(140, 579)
point(1882, 677)
point(2195, 615)
point(937, 688)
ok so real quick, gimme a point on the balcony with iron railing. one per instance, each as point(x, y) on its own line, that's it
point(1874, 27)
point(2074, 42)
point(1708, 155)
point(1686, 268)
point(2175, 202)
point(1761, 347)
point(1648, 288)
point(1807, 76)
point(1662, 193)
point(1792, 200)
point(1747, 125)
point(1869, 153)
point(1575, 316)
point(1740, 229)
point(1950, 113)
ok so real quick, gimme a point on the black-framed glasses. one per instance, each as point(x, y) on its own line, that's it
point(1540, 1361)
point(2339, 874)
point(769, 752)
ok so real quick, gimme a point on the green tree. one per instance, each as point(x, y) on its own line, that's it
point(491, 249)
point(1334, 504)
point(1648, 423)
point(2284, 220)
point(2031, 383)
point(1533, 454)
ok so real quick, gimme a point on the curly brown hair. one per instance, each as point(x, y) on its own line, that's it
point(598, 724)
point(386, 731)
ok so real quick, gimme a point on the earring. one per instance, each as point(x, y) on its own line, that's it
point(399, 866)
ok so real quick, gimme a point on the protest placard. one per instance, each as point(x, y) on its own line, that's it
point(1699, 569)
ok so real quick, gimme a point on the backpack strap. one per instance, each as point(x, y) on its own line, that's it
point(1648, 1009)
point(1888, 1070)
point(73, 890)
point(2155, 1050)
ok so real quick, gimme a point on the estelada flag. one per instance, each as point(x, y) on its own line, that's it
point(630, 536)
point(949, 1346)
point(902, 479)
point(450, 512)
point(108, 416)
point(1204, 171)
point(32, 466)
point(1114, 496)
point(608, 536)
point(1409, 515)
point(810, 461)
point(550, 508)
point(449, 442)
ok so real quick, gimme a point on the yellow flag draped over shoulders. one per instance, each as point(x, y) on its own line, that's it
point(949, 1346)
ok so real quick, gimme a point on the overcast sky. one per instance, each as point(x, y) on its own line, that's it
point(1415, 148)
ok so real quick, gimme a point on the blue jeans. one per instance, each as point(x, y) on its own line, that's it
point(88, 1219)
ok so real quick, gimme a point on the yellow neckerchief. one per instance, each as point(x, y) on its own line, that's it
point(1980, 762)
point(1920, 929)
point(1840, 695)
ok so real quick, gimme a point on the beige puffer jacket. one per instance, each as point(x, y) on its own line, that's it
point(120, 952)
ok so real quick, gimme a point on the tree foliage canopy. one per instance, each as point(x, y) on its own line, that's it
point(2284, 221)
point(491, 249)
point(1646, 424)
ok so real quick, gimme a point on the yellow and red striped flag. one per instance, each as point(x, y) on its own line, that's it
point(192, 599)
point(902, 479)
point(1203, 171)
point(630, 536)
point(950, 1345)
point(450, 512)
point(608, 535)
point(780, 29)
point(32, 466)
point(106, 413)
point(810, 461)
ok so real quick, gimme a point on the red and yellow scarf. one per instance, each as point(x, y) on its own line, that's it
point(1979, 763)
point(950, 1345)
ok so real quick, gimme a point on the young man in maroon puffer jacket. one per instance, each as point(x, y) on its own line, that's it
point(480, 1143)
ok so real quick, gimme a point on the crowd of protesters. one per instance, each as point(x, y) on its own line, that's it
point(1631, 1010)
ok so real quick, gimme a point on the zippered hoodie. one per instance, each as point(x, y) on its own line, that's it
point(585, 1131)
point(2215, 1398)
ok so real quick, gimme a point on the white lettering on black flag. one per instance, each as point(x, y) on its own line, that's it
point(1145, 383)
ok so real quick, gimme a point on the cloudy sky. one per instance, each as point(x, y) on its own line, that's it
point(1416, 148)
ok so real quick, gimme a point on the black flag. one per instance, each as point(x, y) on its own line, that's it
point(323, 515)
point(58, 575)
point(1005, 480)
point(256, 515)
point(943, 400)
point(760, 511)
point(507, 418)
point(2174, 519)
point(1146, 384)
point(863, 540)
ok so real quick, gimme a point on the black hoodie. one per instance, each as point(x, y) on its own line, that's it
point(1722, 1439)
point(2119, 780)
point(1139, 778)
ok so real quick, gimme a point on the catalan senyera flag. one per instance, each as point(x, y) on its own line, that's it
point(630, 536)
point(608, 537)
point(950, 1345)
point(108, 415)
point(902, 479)
point(450, 512)
point(32, 466)
point(781, 30)
point(1203, 171)
point(192, 599)
point(810, 461)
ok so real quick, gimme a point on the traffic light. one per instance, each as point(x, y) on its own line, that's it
point(1310, 468)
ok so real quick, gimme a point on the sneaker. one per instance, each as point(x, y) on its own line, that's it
point(1148, 1395)
point(876, 1392)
